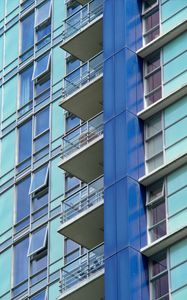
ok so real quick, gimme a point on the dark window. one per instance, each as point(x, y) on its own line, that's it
point(71, 184)
point(21, 261)
point(43, 13)
point(39, 267)
point(42, 121)
point(23, 199)
point(73, 8)
point(151, 21)
point(42, 85)
point(26, 86)
point(25, 141)
point(71, 250)
point(39, 179)
point(27, 28)
point(41, 66)
point(38, 240)
point(40, 205)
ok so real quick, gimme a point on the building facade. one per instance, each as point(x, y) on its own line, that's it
point(93, 149)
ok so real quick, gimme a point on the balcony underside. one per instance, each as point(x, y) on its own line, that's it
point(87, 101)
point(92, 289)
point(86, 228)
point(86, 163)
point(87, 42)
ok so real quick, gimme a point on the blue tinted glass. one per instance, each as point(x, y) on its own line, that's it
point(23, 199)
point(72, 65)
point(42, 121)
point(43, 12)
point(71, 182)
point(26, 88)
point(25, 141)
point(43, 31)
point(21, 261)
point(71, 122)
point(40, 296)
point(73, 8)
point(39, 264)
point(27, 33)
point(42, 85)
point(38, 240)
point(41, 66)
point(39, 179)
point(38, 202)
point(41, 142)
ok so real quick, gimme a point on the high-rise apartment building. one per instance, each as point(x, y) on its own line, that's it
point(93, 149)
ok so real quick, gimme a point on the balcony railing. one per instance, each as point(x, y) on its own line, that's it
point(82, 268)
point(82, 17)
point(83, 75)
point(82, 135)
point(82, 200)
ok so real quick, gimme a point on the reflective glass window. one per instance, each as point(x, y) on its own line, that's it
point(27, 32)
point(23, 199)
point(26, 86)
point(71, 122)
point(40, 296)
point(43, 35)
point(39, 263)
point(41, 66)
point(71, 184)
point(42, 121)
point(25, 141)
point(72, 64)
point(38, 240)
point(39, 179)
point(42, 85)
point(43, 13)
point(21, 261)
point(40, 206)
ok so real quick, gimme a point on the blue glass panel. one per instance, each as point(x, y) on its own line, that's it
point(43, 31)
point(42, 85)
point(27, 33)
point(71, 122)
point(26, 88)
point(43, 12)
point(39, 264)
point(25, 141)
point(41, 66)
point(42, 121)
point(40, 296)
point(38, 202)
point(21, 261)
point(72, 64)
point(38, 240)
point(23, 199)
point(39, 179)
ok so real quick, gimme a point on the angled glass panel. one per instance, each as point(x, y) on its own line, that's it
point(42, 121)
point(43, 13)
point(26, 86)
point(41, 66)
point(38, 240)
point(43, 35)
point(25, 141)
point(23, 199)
point(39, 179)
point(27, 30)
point(21, 261)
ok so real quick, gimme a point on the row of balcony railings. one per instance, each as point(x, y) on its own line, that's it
point(83, 75)
point(82, 135)
point(82, 17)
point(82, 268)
point(82, 200)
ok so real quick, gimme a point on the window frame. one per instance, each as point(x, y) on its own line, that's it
point(145, 13)
point(33, 191)
point(38, 77)
point(35, 252)
point(47, 17)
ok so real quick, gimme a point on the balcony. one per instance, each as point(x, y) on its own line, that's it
point(82, 89)
point(82, 150)
point(82, 36)
point(82, 215)
point(84, 277)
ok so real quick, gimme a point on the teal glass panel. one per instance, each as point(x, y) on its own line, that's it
point(58, 69)
point(6, 211)
point(6, 297)
point(178, 253)
point(175, 132)
point(57, 121)
point(57, 179)
point(11, 38)
point(177, 221)
point(1, 52)
point(5, 277)
point(175, 84)
point(172, 13)
point(11, 5)
point(175, 111)
point(55, 239)
point(10, 97)
point(54, 291)
point(180, 294)
point(175, 47)
point(2, 10)
point(178, 276)
point(58, 13)
point(176, 180)
point(8, 152)
point(175, 67)
point(177, 201)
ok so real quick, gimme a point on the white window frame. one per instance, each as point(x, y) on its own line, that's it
point(34, 77)
point(31, 254)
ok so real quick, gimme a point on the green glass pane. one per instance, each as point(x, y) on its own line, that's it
point(177, 221)
point(56, 252)
point(10, 97)
point(57, 179)
point(54, 291)
point(175, 132)
point(2, 10)
point(5, 277)
point(11, 5)
point(177, 201)
point(6, 211)
point(58, 13)
point(175, 67)
point(174, 48)
point(6, 297)
point(1, 52)
point(57, 121)
point(11, 38)
point(58, 64)
point(178, 276)
point(176, 180)
point(178, 253)
point(175, 111)
point(175, 84)
point(8, 152)
point(180, 294)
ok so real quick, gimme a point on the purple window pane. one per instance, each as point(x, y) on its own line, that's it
point(154, 97)
point(158, 213)
point(158, 231)
point(151, 21)
point(159, 266)
point(154, 81)
point(152, 64)
point(161, 286)
point(152, 35)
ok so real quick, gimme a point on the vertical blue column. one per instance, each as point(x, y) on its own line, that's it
point(126, 272)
